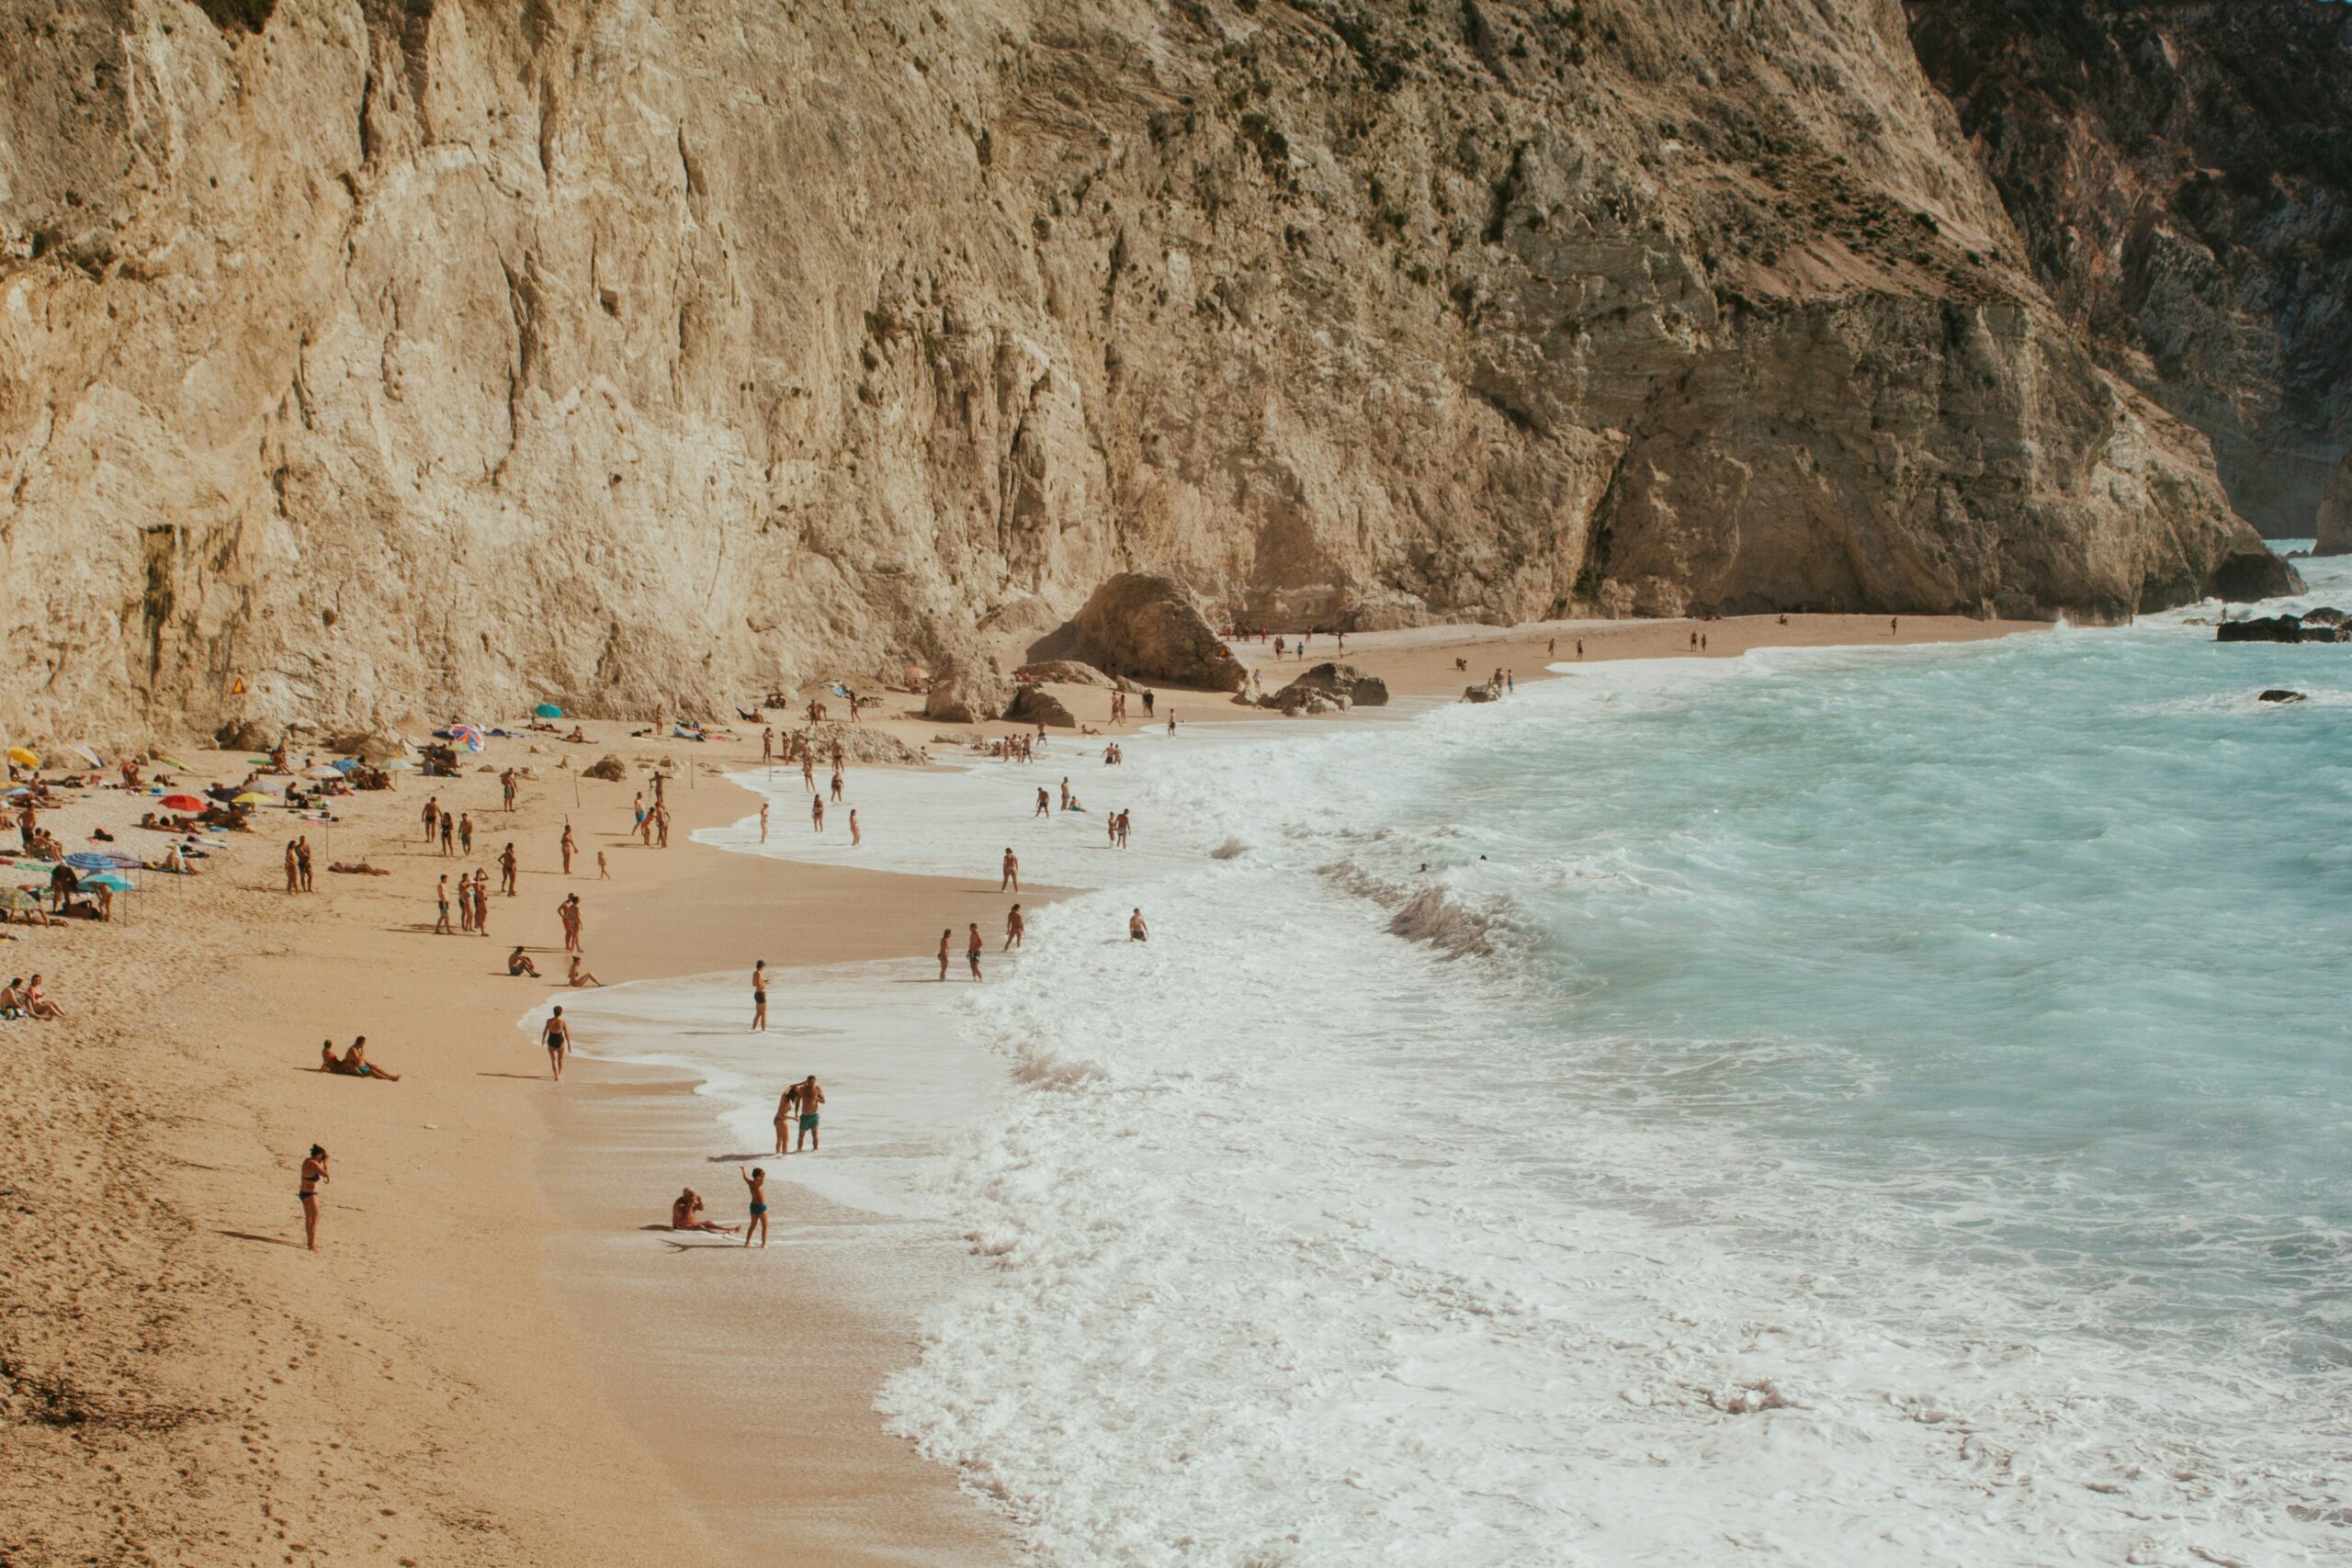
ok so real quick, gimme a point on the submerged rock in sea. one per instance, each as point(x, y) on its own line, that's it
point(1477, 694)
point(2280, 628)
point(2280, 694)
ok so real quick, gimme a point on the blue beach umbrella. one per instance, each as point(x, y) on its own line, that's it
point(113, 879)
point(87, 860)
point(547, 710)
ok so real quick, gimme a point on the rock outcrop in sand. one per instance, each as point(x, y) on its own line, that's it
point(1145, 626)
point(966, 693)
point(363, 361)
point(1328, 686)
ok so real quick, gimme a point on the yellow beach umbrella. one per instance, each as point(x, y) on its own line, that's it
point(255, 797)
point(174, 762)
point(23, 758)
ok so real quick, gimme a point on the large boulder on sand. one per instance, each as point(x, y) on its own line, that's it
point(1070, 672)
point(1032, 704)
point(1330, 685)
point(246, 734)
point(608, 767)
point(1145, 624)
point(966, 693)
point(367, 746)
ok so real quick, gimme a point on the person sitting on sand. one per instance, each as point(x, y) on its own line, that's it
point(12, 1005)
point(578, 977)
point(519, 963)
point(37, 1002)
point(686, 1214)
point(354, 1062)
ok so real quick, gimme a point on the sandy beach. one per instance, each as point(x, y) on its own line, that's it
point(493, 1359)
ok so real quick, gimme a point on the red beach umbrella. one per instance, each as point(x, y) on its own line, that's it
point(181, 803)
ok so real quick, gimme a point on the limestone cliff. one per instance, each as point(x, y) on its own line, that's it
point(2182, 175)
point(391, 355)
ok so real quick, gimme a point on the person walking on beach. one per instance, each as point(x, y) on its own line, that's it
point(465, 834)
point(448, 832)
point(856, 836)
point(557, 1037)
point(1137, 930)
point(314, 1171)
point(756, 1179)
point(568, 848)
point(764, 822)
point(441, 927)
point(432, 817)
point(812, 1097)
point(760, 997)
point(603, 871)
point(509, 867)
point(972, 950)
point(837, 782)
point(1014, 926)
point(946, 941)
point(1011, 878)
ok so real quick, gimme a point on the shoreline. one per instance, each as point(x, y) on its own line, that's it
point(374, 1393)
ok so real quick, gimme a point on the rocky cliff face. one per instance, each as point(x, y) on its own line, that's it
point(2182, 175)
point(391, 355)
point(2334, 531)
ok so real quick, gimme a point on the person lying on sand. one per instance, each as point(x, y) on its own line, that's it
point(519, 963)
point(359, 868)
point(578, 977)
point(686, 1214)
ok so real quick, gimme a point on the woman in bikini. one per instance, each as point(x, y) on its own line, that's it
point(557, 1036)
point(314, 1171)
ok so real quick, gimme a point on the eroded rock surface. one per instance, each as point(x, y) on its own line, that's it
point(451, 356)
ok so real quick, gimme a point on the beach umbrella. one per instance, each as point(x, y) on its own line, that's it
point(323, 771)
point(397, 764)
point(89, 860)
point(343, 764)
point(174, 762)
point(109, 879)
point(23, 758)
point(181, 803)
point(466, 735)
point(87, 755)
point(251, 798)
point(17, 899)
point(547, 710)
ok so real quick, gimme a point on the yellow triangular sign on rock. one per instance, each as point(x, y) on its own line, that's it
point(237, 687)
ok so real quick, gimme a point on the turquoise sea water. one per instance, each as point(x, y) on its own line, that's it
point(1849, 1106)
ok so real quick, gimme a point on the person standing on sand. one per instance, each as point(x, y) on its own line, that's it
point(448, 833)
point(786, 1108)
point(946, 941)
point(816, 812)
point(1065, 792)
point(809, 769)
point(1011, 878)
point(293, 870)
point(856, 836)
point(569, 913)
point(812, 1097)
point(1045, 807)
point(1137, 930)
point(1892, 623)
point(509, 867)
point(302, 860)
point(760, 997)
point(1014, 926)
point(568, 848)
point(432, 817)
point(557, 1037)
point(465, 904)
point(482, 901)
point(441, 927)
point(837, 781)
point(1580, 648)
point(464, 833)
point(972, 950)
point(767, 744)
point(756, 1179)
point(603, 871)
point(764, 822)
point(314, 1171)
point(507, 782)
